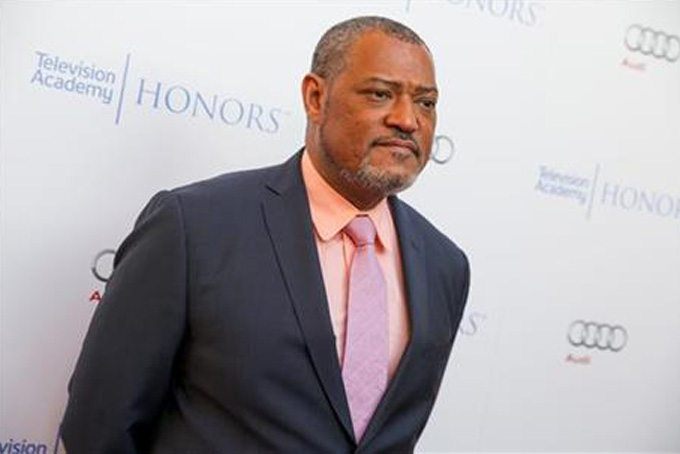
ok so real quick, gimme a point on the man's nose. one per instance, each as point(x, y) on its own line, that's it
point(402, 115)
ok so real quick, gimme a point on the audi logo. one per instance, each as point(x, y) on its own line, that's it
point(648, 41)
point(597, 335)
point(443, 149)
point(98, 265)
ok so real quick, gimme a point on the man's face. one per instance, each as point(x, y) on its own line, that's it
point(378, 117)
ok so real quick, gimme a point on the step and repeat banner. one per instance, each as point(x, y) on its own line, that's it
point(556, 166)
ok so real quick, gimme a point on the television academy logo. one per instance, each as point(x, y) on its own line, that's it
point(11, 446)
point(87, 79)
point(590, 191)
point(55, 73)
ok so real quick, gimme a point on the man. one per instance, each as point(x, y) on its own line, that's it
point(295, 309)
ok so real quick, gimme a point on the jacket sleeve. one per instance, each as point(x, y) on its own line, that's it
point(124, 371)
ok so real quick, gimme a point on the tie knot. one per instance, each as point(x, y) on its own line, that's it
point(361, 230)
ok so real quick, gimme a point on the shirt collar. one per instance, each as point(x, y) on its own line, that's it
point(331, 212)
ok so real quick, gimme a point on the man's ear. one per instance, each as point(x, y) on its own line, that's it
point(314, 96)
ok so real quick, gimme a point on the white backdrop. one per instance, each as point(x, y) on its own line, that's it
point(558, 173)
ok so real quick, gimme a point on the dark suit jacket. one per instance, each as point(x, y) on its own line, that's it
point(214, 335)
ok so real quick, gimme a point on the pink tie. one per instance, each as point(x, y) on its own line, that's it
point(364, 369)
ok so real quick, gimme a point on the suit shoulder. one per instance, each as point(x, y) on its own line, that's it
point(238, 185)
point(198, 204)
point(435, 241)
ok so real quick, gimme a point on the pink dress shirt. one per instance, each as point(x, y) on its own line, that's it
point(330, 213)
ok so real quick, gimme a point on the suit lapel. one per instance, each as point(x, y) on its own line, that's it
point(415, 279)
point(288, 220)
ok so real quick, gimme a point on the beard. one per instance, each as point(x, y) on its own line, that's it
point(367, 176)
point(378, 180)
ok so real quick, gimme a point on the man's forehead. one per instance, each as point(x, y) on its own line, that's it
point(372, 42)
point(377, 55)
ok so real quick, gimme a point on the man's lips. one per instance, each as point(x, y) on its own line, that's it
point(408, 144)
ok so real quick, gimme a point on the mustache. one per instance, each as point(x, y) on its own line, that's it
point(401, 139)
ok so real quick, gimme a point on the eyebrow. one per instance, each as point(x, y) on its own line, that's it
point(399, 85)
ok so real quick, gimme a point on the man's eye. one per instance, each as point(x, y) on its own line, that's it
point(429, 104)
point(380, 95)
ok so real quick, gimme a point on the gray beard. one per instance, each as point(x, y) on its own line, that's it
point(378, 181)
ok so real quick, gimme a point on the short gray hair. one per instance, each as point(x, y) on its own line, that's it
point(330, 53)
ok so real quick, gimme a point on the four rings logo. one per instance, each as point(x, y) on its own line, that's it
point(597, 335)
point(651, 42)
